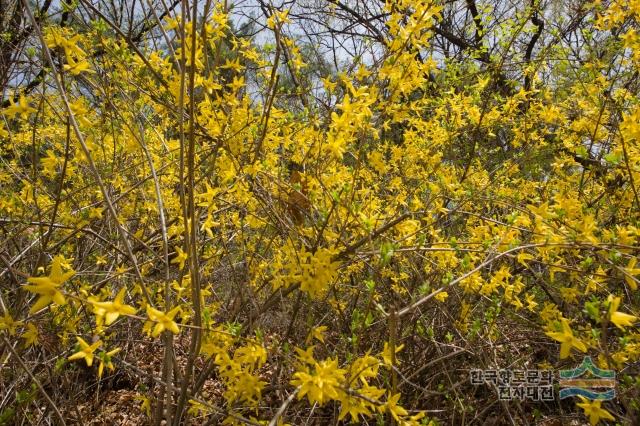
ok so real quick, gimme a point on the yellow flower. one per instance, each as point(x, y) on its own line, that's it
point(323, 384)
point(567, 339)
point(21, 108)
point(386, 353)
point(112, 310)
point(163, 321)
point(393, 407)
point(86, 351)
point(76, 67)
point(442, 296)
point(47, 287)
point(253, 355)
point(180, 258)
point(522, 258)
point(31, 336)
point(306, 356)
point(630, 272)
point(8, 323)
point(593, 410)
point(355, 407)
point(318, 333)
point(620, 319)
point(105, 360)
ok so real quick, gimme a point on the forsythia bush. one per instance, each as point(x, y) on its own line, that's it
point(291, 244)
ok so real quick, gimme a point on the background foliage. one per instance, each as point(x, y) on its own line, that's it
point(315, 211)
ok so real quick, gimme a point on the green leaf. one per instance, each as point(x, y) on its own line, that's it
point(612, 158)
point(386, 253)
